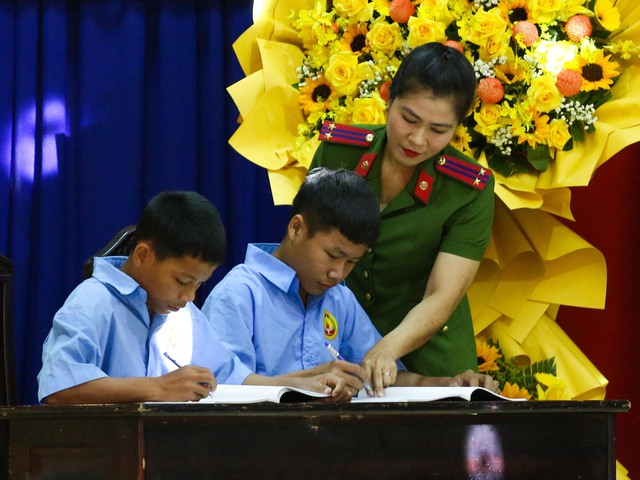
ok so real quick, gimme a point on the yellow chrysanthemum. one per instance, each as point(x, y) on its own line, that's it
point(315, 95)
point(550, 387)
point(607, 15)
point(382, 7)
point(514, 391)
point(488, 356)
point(597, 70)
point(354, 40)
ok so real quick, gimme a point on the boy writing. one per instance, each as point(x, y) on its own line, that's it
point(278, 309)
point(121, 334)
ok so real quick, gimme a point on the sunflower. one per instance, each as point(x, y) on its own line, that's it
point(315, 95)
point(513, 71)
point(597, 71)
point(515, 10)
point(461, 139)
point(514, 391)
point(354, 40)
point(488, 356)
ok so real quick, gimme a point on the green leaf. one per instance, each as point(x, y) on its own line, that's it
point(539, 157)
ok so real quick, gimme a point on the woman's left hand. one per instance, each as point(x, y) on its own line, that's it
point(380, 368)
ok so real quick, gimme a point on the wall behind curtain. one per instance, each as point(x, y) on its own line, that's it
point(103, 104)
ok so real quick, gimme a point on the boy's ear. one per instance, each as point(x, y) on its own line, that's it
point(142, 253)
point(295, 226)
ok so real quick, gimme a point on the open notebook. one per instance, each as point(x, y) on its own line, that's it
point(431, 394)
point(282, 394)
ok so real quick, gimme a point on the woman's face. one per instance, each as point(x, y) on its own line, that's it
point(419, 125)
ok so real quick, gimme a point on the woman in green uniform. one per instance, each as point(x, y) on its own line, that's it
point(436, 206)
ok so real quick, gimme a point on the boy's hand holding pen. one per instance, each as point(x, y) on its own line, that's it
point(359, 373)
point(210, 385)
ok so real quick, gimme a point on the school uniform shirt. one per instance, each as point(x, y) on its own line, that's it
point(103, 329)
point(258, 314)
point(447, 206)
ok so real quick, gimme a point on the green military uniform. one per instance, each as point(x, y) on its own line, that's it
point(447, 206)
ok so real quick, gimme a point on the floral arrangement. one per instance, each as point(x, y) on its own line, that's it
point(543, 68)
point(538, 381)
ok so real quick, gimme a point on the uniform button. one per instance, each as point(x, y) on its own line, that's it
point(366, 274)
point(369, 250)
point(368, 296)
point(445, 329)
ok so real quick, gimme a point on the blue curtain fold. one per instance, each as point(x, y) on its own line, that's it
point(103, 104)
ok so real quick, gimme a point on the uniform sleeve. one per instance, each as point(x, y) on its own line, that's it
point(467, 233)
point(360, 335)
point(72, 350)
point(230, 313)
point(211, 352)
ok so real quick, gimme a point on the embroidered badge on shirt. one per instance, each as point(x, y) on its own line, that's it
point(345, 134)
point(473, 175)
point(330, 325)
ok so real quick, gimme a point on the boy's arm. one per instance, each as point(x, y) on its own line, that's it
point(330, 384)
point(188, 383)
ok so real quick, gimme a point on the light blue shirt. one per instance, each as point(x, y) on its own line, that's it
point(103, 329)
point(258, 314)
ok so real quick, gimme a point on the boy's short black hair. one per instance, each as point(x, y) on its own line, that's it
point(439, 69)
point(338, 199)
point(180, 224)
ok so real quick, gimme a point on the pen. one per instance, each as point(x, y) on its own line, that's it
point(337, 356)
point(204, 384)
point(333, 351)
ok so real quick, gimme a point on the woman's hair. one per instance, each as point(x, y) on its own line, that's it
point(439, 69)
point(338, 199)
point(180, 224)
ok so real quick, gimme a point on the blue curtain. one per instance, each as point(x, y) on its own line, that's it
point(103, 104)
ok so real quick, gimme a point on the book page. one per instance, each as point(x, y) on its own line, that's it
point(260, 393)
point(430, 394)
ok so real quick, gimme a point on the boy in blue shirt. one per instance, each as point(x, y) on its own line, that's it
point(121, 334)
point(279, 309)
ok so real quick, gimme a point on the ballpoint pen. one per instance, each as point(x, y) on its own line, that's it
point(337, 356)
point(333, 351)
point(204, 384)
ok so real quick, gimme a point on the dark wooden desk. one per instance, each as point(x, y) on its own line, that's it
point(559, 440)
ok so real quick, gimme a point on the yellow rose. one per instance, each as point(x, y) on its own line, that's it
point(385, 37)
point(493, 47)
point(544, 94)
point(483, 26)
point(355, 10)
point(341, 73)
point(424, 30)
point(371, 111)
point(559, 134)
point(488, 119)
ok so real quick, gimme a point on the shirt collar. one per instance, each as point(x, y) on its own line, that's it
point(107, 270)
point(277, 272)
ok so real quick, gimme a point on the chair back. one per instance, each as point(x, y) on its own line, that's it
point(7, 356)
point(121, 243)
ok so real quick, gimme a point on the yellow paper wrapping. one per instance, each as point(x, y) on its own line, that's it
point(534, 265)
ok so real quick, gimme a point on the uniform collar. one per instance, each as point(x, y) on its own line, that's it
point(107, 271)
point(260, 257)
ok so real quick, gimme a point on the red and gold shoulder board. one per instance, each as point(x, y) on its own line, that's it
point(345, 134)
point(473, 175)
